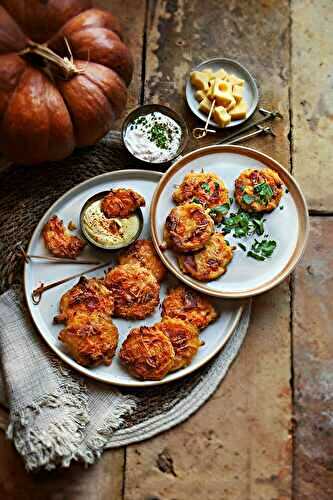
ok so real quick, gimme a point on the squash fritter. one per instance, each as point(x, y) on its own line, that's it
point(258, 190)
point(147, 353)
point(185, 304)
point(135, 291)
point(90, 338)
point(121, 202)
point(188, 228)
point(210, 262)
point(184, 338)
point(205, 188)
point(142, 252)
point(59, 241)
point(88, 295)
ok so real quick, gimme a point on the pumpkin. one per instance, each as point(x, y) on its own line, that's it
point(64, 71)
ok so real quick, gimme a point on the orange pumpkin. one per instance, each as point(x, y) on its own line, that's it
point(64, 71)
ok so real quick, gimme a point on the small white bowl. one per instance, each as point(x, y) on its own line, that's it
point(251, 92)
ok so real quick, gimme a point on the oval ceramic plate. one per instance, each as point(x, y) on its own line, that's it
point(68, 208)
point(251, 93)
point(245, 276)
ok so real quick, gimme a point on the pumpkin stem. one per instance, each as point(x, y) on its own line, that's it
point(67, 66)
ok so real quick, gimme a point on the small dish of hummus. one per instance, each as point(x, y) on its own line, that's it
point(154, 134)
point(108, 233)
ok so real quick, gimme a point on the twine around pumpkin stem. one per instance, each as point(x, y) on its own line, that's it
point(66, 65)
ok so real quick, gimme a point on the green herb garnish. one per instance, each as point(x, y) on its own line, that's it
point(255, 255)
point(196, 200)
point(217, 186)
point(281, 207)
point(243, 247)
point(247, 199)
point(261, 250)
point(231, 200)
point(205, 187)
point(243, 224)
point(264, 191)
point(220, 209)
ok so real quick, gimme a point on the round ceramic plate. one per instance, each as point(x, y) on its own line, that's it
point(289, 227)
point(68, 208)
point(251, 93)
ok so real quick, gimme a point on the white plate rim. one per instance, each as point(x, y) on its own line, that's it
point(65, 357)
point(251, 78)
point(270, 162)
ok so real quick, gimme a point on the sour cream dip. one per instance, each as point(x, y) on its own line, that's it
point(154, 137)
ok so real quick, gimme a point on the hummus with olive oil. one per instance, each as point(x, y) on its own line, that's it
point(107, 232)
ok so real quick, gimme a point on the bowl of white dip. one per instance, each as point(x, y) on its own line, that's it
point(108, 233)
point(154, 134)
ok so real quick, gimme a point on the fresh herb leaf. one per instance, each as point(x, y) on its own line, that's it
point(255, 255)
point(205, 187)
point(264, 191)
point(281, 207)
point(243, 247)
point(217, 186)
point(231, 200)
point(220, 209)
point(259, 226)
point(196, 200)
point(287, 191)
point(247, 199)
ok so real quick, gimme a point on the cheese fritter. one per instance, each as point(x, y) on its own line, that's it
point(142, 252)
point(258, 190)
point(147, 353)
point(135, 291)
point(188, 228)
point(121, 202)
point(90, 338)
point(59, 241)
point(185, 304)
point(210, 262)
point(205, 188)
point(88, 295)
point(184, 339)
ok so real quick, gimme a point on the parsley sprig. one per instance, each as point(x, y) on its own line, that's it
point(243, 224)
point(263, 194)
point(261, 250)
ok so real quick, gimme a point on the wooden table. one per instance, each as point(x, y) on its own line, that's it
point(268, 431)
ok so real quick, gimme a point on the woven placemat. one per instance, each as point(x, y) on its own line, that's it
point(25, 194)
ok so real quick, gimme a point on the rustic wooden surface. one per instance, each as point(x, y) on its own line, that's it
point(268, 431)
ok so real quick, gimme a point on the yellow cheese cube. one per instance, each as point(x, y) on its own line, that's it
point(232, 104)
point(209, 94)
point(200, 80)
point(205, 105)
point(200, 95)
point(222, 92)
point(221, 74)
point(239, 111)
point(209, 72)
point(237, 92)
point(235, 80)
point(221, 116)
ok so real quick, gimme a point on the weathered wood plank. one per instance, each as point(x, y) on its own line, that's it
point(312, 117)
point(238, 445)
point(256, 33)
point(313, 355)
point(102, 481)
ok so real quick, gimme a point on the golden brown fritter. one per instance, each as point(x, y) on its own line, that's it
point(135, 291)
point(185, 304)
point(258, 190)
point(210, 262)
point(121, 202)
point(90, 338)
point(59, 241)
point(205, 188)
point(184, 339)
point(147, 353)
point(142, 252)
point(88, 295)
point(188, 228)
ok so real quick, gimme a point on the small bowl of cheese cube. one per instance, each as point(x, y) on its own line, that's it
point(229, 84)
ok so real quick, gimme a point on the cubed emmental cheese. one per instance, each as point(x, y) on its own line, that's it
point(222, 92)
point(209, 72)
point(234, 80)
point(239, 111)
point(232, 104)
point(205, 105)
point(200, 95)
point(200, 80)
point(237, 92)
point(220, 74)
point(221, 116)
